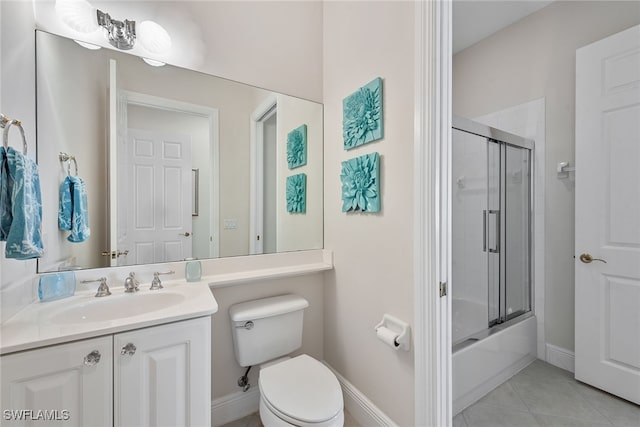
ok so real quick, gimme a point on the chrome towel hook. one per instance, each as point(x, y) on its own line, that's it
point(6, 124)
point(64, 157)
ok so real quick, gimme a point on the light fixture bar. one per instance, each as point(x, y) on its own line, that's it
point(121, 34)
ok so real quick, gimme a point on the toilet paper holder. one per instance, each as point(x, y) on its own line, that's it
point(400, 329)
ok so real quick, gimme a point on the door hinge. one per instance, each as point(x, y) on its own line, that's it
point(443, 289)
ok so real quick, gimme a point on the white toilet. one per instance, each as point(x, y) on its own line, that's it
point(297, 391)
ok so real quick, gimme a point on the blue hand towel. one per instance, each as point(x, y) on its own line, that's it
point(73, 214)
point(80, 230)
point(65, 206)
point(24, 240)
point(6, 186)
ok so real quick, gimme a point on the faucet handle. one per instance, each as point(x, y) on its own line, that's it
point(131, 284)
point(103, 288)
point(156, 283)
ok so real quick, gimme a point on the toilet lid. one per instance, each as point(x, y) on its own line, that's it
point(302, 388)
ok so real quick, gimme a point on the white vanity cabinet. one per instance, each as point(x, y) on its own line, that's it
point(162, 375)
point(71, 383)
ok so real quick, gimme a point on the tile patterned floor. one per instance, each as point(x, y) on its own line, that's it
point(253, 420)
point(542, 395)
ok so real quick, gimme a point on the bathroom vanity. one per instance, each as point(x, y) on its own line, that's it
point(150, 364)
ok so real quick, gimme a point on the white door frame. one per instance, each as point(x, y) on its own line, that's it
point(256, 204)
point(432, 229)
point(211, 114)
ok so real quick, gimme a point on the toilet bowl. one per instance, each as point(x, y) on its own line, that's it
point(297, 391)
point(300, 392)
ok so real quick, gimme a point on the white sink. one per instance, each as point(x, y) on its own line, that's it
point(117, 307)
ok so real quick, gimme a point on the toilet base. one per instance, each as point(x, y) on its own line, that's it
point(269, 419)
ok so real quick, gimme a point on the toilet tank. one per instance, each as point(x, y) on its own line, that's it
point(267, 328)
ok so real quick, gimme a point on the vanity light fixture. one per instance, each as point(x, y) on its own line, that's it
point(82, 17)
point(89, 46)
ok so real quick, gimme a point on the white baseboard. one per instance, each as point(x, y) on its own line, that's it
point(561, 357)
point(234, 406)
point(359, 406)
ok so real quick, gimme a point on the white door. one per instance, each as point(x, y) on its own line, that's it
point(607, 292)
point(158, 224)
point(162, 375)
point(70, 383)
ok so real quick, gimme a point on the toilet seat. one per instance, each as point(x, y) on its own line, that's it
point(301, 391)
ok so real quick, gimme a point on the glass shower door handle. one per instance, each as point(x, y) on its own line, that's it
point(496, 248)
point(484, 230)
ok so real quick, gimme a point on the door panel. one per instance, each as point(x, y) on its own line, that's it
point(607, 294)
point(57, 379)
point(158, 224)
point(164, 375)
point(517, 217)
point(470, 276)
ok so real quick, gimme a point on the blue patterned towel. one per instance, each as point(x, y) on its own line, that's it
point(24, 240)
point(6, 186)
point(73, 213)
point(65, 206)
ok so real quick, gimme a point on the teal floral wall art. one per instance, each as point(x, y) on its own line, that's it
point(297, 147)
point(297, 193)
point(361, 184)
point(362, 115)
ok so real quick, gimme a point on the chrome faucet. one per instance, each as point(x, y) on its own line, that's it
point(103, 288)
point(131, 284)
point(156, 283)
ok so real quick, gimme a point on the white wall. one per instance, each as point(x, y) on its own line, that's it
point(17, 77)
point(372, 252)
point(535, 58)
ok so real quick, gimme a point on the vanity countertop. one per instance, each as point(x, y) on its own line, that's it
point(85, 316)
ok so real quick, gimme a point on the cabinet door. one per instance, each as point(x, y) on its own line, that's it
point(68, 384)
point(162, 375)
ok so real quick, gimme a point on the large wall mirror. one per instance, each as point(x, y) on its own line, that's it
point(177, 164)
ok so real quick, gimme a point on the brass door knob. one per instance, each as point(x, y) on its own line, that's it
point(588, 259)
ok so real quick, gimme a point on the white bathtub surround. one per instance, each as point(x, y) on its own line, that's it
point(481, 367)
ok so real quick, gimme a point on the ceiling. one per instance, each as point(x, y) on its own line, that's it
point(474, 20)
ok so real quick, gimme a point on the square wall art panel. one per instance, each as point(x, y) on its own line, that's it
point(361, 184)
point(297, 147)
point(362, 115)
point(297, 193)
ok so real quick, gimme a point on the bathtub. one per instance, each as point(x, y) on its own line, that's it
point(485, 360)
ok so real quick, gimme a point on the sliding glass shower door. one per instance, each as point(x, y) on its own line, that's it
point(491, 229)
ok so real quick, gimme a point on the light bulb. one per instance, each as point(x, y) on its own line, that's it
point(153, 37)
point(86, 45)
point(153, 62)
point(79, 15)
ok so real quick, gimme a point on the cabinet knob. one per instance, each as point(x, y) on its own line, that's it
point(92, 358)
point(128, 349)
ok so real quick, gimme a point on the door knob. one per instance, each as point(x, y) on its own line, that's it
point(187, 234)
point(587, 259)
